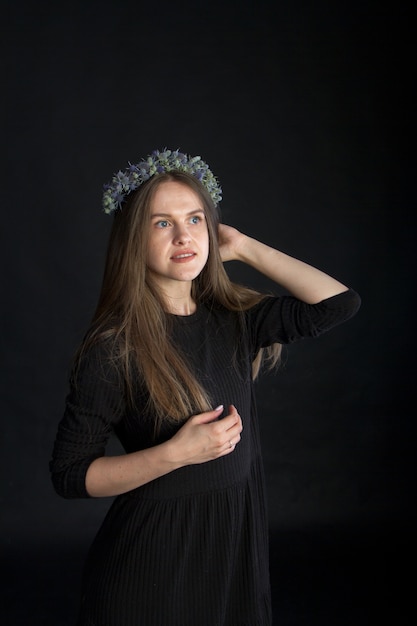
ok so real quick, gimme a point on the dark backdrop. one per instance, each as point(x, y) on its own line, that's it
point(302, 110)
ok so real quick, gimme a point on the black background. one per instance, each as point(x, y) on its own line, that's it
point(303, 111)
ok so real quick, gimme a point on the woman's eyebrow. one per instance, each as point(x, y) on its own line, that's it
point(169, 214)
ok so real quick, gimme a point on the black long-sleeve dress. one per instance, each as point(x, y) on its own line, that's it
point(190, 547)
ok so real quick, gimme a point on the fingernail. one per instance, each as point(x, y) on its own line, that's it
point(219, 407)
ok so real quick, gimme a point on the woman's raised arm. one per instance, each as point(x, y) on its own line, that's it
point(302, 280)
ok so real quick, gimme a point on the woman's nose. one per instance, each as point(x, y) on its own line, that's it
point(181, 235)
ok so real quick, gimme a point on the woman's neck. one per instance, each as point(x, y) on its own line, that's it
point(180, 307)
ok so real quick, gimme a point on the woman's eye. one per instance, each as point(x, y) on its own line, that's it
point(162, 224)
point(195, 219)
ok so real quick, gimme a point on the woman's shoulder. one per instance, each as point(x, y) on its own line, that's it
point(98, 354)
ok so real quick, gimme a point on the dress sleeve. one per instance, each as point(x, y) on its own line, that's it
point(286, 319)
point(94, 405)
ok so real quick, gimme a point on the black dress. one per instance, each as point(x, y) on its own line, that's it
point(189, 548)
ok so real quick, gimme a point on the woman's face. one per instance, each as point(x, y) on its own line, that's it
point(178, 244)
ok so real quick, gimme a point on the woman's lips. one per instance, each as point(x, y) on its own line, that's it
point(183, 257)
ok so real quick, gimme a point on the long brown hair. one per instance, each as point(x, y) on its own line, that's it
point(131, 311)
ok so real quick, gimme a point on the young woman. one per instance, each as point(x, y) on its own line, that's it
point(168, 364)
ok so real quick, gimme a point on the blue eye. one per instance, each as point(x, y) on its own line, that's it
point(162, 224)
point(195, 219)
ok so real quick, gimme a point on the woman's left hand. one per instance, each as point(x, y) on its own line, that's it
point(230, 240)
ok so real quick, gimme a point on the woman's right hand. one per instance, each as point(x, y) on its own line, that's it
point(204, 437)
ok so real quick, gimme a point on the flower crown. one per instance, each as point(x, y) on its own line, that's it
point(123, 183)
